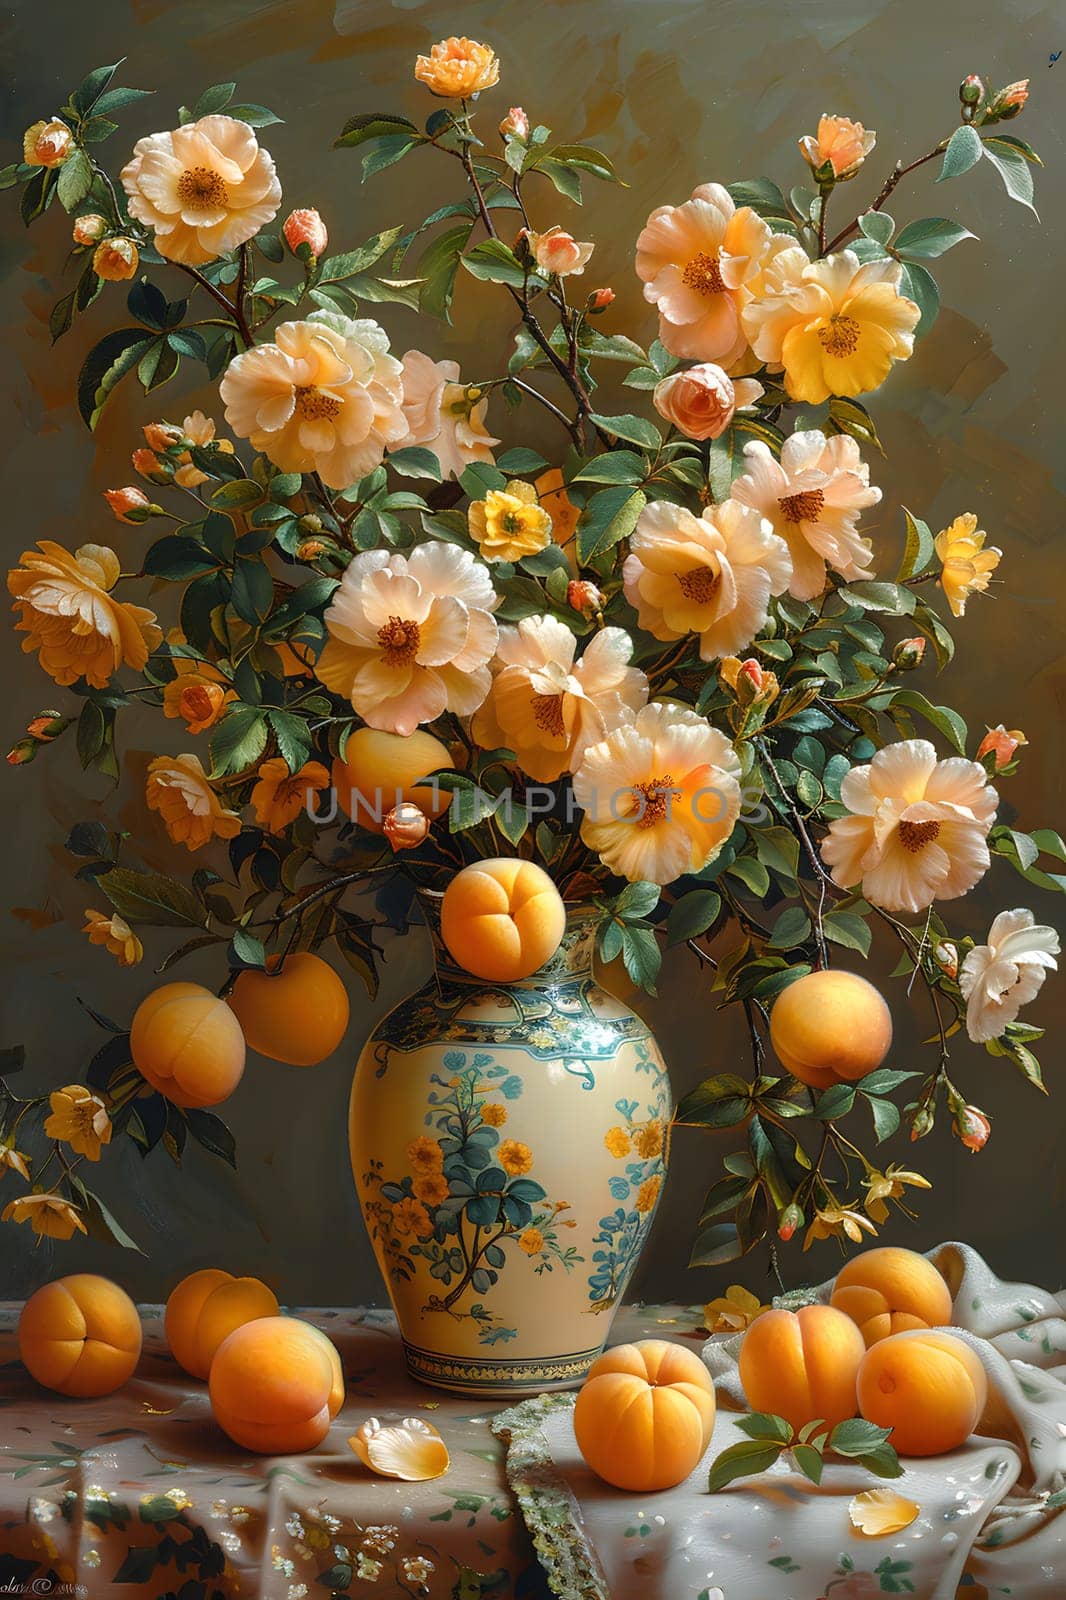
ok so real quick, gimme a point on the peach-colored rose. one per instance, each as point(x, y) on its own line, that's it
point(180, 790)
point(199, 700)
point(115, 260)
point(515, 125)
point(204, 188)
point(701, 400)
point(840, 146)
point(559, 252)
point(123, 501)
point(148, 464)
point(306, 227)
point(600, 299)
point(47, 144)
point(72, 620)
point(197, 429)
point(89, 229)
point(443, 414)
point(457, 68)
point(972, 1127)
point(1002, 743)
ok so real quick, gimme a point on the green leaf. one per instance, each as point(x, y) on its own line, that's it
point(921, 287)
point(1013, 168)
point(636, 900)
point(641, 956)
point(751, 873)
point(108, 362)
point(718, 1102)
point(494, 262)
point(945, 720)
point(99, 1220)
point(835, 1102)
point(75, 180)
point(609, 516)
point(761, 195)
point(415, 462)
point(635, 430)
point(765, 1425)
point(373, 125)
point(238, 740)
point(692, 915)
point(885, 1114)
point(844, 928)
point(293, 738)
point(614, 466)
point(213, 100)
point(716, 1245)
point(889, 597)
point(586, 159)
point(856, 1436)
point(335, 268)
point(741, 1461)
point(387, 153)
point(245, 950)
point(877, 225)
point(963, 152)
point(849, 416)
point(176, 557)
point(792, 927)
point(151, 898)
point(930, 237)
point(252, 593)
point(919, 549)
point(809, 1461)
point(255, 116)
point(437, 267)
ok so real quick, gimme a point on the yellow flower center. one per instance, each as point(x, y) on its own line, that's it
point(313, 405)
point(199, 186)
point(805, 507)
point(839, 336)
point(399, 640)
point(914, 836)
point(548, 714)
point(703, 274)
point(656, 796)
point(700, 585)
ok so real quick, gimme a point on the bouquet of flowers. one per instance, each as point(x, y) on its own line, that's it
point(665, 663)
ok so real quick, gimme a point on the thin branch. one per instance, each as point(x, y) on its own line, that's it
point(898, 172)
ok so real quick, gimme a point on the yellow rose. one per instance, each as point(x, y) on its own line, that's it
point(70, 618)
point(510, 523)
point(179, 789)
point(115, 260)
point(116, 936)
point(455, 68)
point(47, 144)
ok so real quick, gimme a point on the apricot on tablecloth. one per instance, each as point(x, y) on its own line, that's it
point(80, 1335)
point(503, 918)
point(298, 1015)
point(927, 1386)
point(275, 1385)
point(188, 1044)
point(645, 1414)
point(204, 1310)
point(830, 1027)
point(802, 1365)
point(890, 1290)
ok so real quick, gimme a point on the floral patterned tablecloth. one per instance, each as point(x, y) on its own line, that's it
point(140, 1494)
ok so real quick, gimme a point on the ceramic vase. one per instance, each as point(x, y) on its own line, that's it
point(509, 1146)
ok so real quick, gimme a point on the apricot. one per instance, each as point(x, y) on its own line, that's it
point(645, 1414)
point(830, 1027)
point(205, 1308)
point(502, 919)
point(80, 1335)
point(889, 1290)
point(927, 1386)
point(298, 1016)
point(275, 1385)
point(188, 1044)
point(381, 770)
point(802, 1365)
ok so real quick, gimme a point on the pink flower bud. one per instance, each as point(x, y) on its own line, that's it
point(584, 597)
point(558, 252)
point(908, 654)
point(306, 227)
point(47, 144)
point(947, 957)
point(115, 260)
point(1001, 744)
point(515, 125)
point(89, 229)
point(405, 826)
point(46, 725)
point(600, 299)
point(162, 435)
point(972, 1127)
point(123, 501)
point(789, 1220)
point(971, 90)
point(148, 464)
point(21, 754)
point(1009, 101)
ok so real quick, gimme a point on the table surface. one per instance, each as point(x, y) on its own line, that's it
point(141, 1494)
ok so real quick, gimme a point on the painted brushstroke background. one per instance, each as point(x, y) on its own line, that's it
point(679, 92)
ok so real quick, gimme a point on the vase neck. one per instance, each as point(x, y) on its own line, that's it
point(572, 960)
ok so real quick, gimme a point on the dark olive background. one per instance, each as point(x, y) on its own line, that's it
point(678, 93)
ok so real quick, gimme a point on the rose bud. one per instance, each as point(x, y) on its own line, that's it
point(89, 229)
point(908, 654)
point(599, 300)
point(700, 401)
point(749, 680)
point(1001, 744)
point(946, 956)
point(405, 826)
point(46, 725)
point(1008, 102)
point(972, 1127)
point(838, 149)
point(558, 252)
point(310, 549)
point(971, 90)
point(922, 1122)
point(162, 436)
point(515, 125)
point(47, 144)
point(583, 596)
point(306, 227)
point(115, 260)
point(789, 1220)
point(123, 501)
point(21, 754)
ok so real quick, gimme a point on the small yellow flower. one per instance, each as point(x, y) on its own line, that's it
point(280, 795)
point(432, 1189)
point(888, 1185)
point(49, 1216)
point(47, 144)
point(966, 566)
point(116, 259)
point(116, 936)
point(515, 1158)
point(180, 790)
point(494, 1116)
point(424, 1155)
point(411, 1216)
point(833, 1221)
point(510, 523)
point(455, 68)
point(80, 1118)
point(531, 1241)
point(618, 1142)
point(648, 1193)
point(648, 1141)
point(732, 1312)
point(12, 1160)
